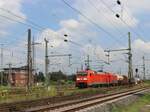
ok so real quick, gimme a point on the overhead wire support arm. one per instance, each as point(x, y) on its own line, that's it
point(115, 50)
point(129, 49)
point(59, 55)
point(62, 55)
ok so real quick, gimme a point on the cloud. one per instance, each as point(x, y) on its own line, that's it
point(138, 7)
point(100, 11)
point(100, 14)
point(76, 32)
point(80, 31)
point(141, 46)
point(13, 6)
point(70, 24)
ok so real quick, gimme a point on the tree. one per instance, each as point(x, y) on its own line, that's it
point(71, 77)
point(56, 76)
point(39, 77)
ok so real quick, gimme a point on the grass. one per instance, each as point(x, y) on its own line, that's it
point(16, 94)
point(136, 106)
point(8, 94)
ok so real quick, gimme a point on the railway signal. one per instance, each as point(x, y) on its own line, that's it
point(136, 71)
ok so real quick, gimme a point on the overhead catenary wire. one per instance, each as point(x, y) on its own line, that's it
point(27, 20)
point(8, 18)
point(92, 22)
point(24, 23)
point(124, 22)
point(15, 38)
point(131, 18)
point(99, 11)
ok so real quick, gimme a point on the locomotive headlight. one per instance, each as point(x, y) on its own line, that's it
point(84, 78)
point(78, 78)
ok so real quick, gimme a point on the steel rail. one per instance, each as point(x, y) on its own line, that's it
point(75, 105)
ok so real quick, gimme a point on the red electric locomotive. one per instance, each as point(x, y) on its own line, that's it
point(91, 78)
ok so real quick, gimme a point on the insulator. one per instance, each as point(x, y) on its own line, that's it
point(117, 15)
point(66, 40)
point(118, 2)
point(65, 35)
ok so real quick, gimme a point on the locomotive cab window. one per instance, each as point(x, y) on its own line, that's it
point(81, 74)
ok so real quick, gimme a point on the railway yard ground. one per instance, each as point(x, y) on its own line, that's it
point(142, 104)
point(68, 93)
point(74, 56)
point(20, 94)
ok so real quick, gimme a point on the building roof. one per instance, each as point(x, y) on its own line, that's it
point(17, 68)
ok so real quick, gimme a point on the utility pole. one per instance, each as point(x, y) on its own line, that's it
point(46, 63)
point(87, 62)
point(9, 74)
point(81, 66)
point(144, 68)
point(130, 70)
point(29, 61)
point(70, 60)
point(33, 57)
point(1, 64)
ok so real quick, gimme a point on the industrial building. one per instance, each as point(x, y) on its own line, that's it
point(17, 77)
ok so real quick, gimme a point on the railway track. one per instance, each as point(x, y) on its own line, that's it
point(76, 105)
point(21, 105)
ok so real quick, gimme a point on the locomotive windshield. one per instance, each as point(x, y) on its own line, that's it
point(81, 74)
